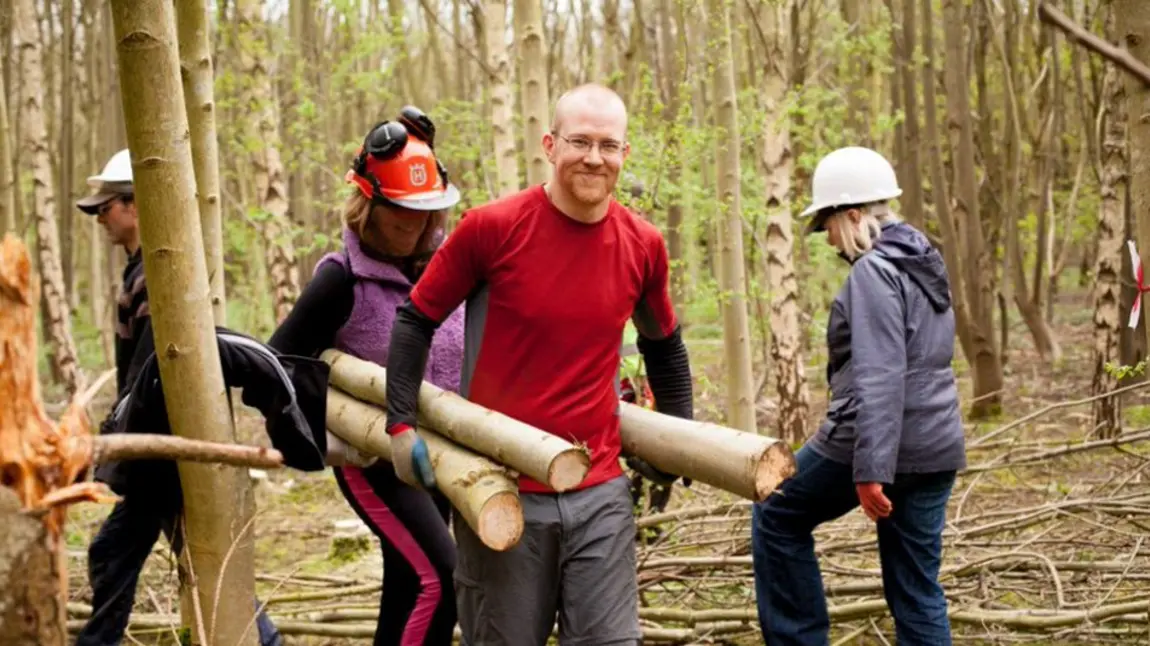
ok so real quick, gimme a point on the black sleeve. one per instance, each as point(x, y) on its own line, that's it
point(145, 347)
point(406, 361)
point(322, 309)
point(669, 374)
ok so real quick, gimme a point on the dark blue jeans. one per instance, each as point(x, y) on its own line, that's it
point(788, 584)
point(115, 558)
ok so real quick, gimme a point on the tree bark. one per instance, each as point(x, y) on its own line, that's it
point(985, 361)
point(736, 331)
point(912, 200)
point(198, 76)
point(7, 178)
point(217, 500)
point(270, 178)
point(64, 362)
point(484, 492)
point(544, 457)
point(738, 462)
point(1134, 31)
point(778, 164)
point(502, 105)
point(533, 86)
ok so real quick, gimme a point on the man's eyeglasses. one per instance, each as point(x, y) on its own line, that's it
point(583, 144)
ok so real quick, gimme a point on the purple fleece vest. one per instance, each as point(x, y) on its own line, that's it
point(379, 289)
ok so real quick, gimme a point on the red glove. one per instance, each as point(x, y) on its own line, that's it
point(873, 501)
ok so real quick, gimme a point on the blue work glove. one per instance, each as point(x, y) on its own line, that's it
point(410, 458)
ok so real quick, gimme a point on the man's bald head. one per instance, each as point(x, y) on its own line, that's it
point(589, 99)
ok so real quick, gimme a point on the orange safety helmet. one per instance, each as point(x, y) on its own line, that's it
point(397, 165)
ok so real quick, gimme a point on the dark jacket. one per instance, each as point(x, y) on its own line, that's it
point(290, 391)
point(890, 340)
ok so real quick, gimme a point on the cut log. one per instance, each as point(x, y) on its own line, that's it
point(539, 455)
point(745, 464)
point(485, 493)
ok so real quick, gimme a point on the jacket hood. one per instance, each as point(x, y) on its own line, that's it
point(909, 250)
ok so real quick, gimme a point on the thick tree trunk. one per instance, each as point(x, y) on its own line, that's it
point(736, 332)
point(778, 164)
point(978, 275)
point(217, 500)
point(197, 72)
point(912, 199)
point(1134, 32)
point(64, 361)
point(32, 601)
point(533, 86)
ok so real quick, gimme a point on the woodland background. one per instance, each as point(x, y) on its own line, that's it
point(1023, 155)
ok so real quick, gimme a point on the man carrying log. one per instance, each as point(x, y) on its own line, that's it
point(550, 275)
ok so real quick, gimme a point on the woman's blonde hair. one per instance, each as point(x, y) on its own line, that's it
point(357, 211)
point(855, 240)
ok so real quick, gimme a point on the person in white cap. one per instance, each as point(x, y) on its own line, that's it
point(113, 205)
point(118, 552)
point(892, 440)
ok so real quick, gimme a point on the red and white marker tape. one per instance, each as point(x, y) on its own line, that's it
point(1136, 266)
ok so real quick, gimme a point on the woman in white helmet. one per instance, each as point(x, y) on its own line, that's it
point(892, 440)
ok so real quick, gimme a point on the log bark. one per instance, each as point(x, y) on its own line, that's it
point(485, 493)
point(539, 455)
point(217, 499)
point(745, 464)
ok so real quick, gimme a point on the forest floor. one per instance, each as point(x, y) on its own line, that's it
point(1044, 541)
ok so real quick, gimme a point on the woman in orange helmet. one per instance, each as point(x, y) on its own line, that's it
point(393, 223)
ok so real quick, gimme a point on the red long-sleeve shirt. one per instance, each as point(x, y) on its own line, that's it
point(548, 298)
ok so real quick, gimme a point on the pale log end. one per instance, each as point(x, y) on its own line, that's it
point(568, 469)
point(776, 464)
point(501, 521)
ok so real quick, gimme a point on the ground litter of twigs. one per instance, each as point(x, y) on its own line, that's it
point(1044, 543)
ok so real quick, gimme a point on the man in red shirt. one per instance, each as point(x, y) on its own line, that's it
point(550, 276)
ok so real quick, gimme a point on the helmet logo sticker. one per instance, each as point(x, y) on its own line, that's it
point(418, 174)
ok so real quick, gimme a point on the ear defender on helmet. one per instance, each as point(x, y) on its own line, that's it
point(394, 165)
point(384, 141)
point(421, 125)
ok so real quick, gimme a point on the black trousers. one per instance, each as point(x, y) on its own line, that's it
point(417, 603)
point(117, 555)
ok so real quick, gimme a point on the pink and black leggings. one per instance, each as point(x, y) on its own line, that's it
point(417, 605)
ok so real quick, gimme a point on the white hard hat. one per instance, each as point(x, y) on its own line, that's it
point(112, 182)
point(117, 170)
point(847, 176)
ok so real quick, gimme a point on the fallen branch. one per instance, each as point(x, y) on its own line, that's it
point(1116, 55)
point(540, 455)
point(145, 446)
